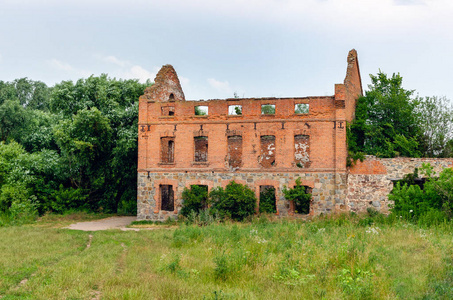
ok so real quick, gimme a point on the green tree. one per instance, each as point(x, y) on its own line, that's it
point(85, 144)
point(387, 120)
point(12, 117)
point(267, 109)
point(436, 123)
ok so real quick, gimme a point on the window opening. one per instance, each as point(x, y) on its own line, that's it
point(235, 110)
point(301, 108)
point(200, 192)
point(268, 109)
point(167, 198)
point(172, 97)
point(201, 148)
point(302, 151)
point(168, 110)
point(201, 110)
point(267, 157)
point(235, 151)
point(303, 207)
point(267, 199)
point(167, 149)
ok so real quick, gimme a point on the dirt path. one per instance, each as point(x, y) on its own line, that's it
point(104, 224)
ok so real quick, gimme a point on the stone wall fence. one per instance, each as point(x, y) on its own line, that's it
point(369, 182)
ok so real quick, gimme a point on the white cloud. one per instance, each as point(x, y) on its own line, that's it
point(221, 86)
point(138, 72)
point(127, 70)
point(57, 64)
point(112, 59)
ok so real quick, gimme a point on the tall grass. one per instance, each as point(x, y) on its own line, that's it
point(342, 257)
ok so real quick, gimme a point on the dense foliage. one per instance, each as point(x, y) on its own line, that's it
point(391, 122)
point(267, 200)
point(429, 203)
point(299, 196)
point(71, 146)
point(194, 199)
point(236, 201)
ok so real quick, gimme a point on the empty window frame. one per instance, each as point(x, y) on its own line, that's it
point(267, 199)
point(171, 97)
point(268, 109)
point(235, 110)
point(303, 206)
point(168, 110)
point(302, 151)
point(234, 151)
point(167, 199)
point(201, 110)
point(267, 157)
point(167, 149)
point(201, 148)
point(302, 108)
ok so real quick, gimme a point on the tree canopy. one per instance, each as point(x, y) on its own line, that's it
point(391, 122)
point(71, 146)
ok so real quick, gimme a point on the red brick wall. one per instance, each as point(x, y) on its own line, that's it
point(321, 133)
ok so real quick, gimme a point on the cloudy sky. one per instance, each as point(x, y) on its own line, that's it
point(254, 48)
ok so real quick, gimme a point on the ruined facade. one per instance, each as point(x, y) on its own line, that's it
point(263, 142)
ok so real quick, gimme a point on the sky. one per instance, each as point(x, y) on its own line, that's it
point(219, 48)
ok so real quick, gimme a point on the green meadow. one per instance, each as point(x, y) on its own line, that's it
point(338, 257)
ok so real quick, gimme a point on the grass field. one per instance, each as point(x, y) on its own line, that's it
point(341, 257)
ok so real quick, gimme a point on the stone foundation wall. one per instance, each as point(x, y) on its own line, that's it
point(328, 190)
point(369, 182)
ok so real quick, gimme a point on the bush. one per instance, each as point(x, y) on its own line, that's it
point(194, 199)
point(68, 198)
point(23, 212)
point(267, 201)
point(236, 201)
point(430, 205)
point(299, 196)
point(12, 192)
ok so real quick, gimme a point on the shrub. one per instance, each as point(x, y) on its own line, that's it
point(68, 198)
point(299, 196)
point(12, 192)
point(429, 205)
point(267, 201)
point(23, 212)
point(194, 199)
point(236, 201)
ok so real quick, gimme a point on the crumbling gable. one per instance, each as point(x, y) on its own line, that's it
point(166, 87)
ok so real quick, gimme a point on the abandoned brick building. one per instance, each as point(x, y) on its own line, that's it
point(260, 142)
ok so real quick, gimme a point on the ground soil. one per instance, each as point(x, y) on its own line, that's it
point(104, 224)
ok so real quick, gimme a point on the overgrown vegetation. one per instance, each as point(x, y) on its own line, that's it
point(71, 146)
point(391, 122)
point(267, 201)
point(194, 199)
point(431, 205)
point(336, 257)
point(299, 196)
point(235, 201)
